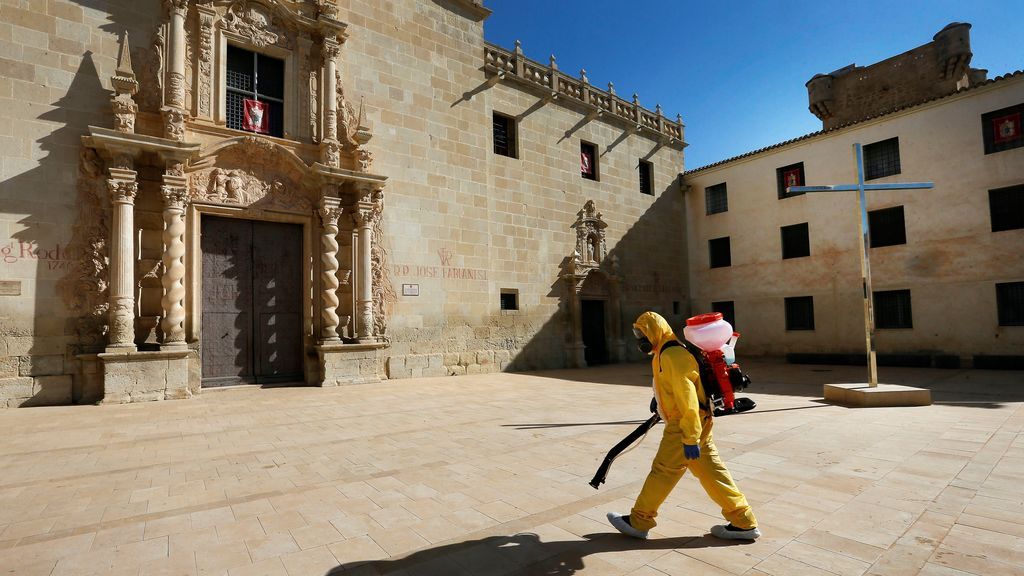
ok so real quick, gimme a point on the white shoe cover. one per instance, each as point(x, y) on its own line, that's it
point(620, 524)
point(721, 531)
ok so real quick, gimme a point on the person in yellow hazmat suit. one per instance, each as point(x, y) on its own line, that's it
point(686, 443)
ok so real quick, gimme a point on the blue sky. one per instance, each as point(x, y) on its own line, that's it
point(735, 71)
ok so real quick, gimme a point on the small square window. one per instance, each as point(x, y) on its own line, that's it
point(892, 309)
point(1006, 205)
point(792, 175)
point(1010, 303)
point(727, 310)
point(800, 313)
point(886, 227)
point(796, 242)
point(719, 253)
point(1002, 129)
point(505, 136)
point(509, 299)
point(882, 159)
point(588, 160)
point(646, 174)
point(716, 199)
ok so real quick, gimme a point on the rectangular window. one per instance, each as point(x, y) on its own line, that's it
point(800, 313)
point(727, 310)
point(1002, 129)
point(588, 160)
point(505, 136)
point(886, 227)
point(796, 242)
point(255, 92)
point(509, 299)
point(1006, 205)
point(716, 199)
point(792, 175)
point(719, 254)
point(882, 159)
point(1010, 303)
point(646, 175)
point(892, 309)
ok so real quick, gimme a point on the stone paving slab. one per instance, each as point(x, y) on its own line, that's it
point(487, 475)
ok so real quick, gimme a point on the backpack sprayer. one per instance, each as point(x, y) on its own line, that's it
point(712, 342)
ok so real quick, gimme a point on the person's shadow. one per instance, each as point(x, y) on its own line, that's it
point(519, 554)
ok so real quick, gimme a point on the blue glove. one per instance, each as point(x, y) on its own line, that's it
point(691, 452)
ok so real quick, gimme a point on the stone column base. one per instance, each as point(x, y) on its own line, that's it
point(574, 356)
point(145, 376)
point(343, 364)
point(861, 395)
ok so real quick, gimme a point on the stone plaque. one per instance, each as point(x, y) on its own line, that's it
point(10, 287)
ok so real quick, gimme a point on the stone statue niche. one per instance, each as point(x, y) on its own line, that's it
point(591, 248)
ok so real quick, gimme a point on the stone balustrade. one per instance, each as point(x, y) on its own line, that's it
point(512, 65)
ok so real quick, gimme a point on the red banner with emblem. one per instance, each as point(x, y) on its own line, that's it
point(1006, 128)
point(256, 116)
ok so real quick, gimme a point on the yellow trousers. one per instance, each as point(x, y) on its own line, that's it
point(670, 465)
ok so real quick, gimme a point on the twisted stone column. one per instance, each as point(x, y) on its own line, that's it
point(123, 188)
point(175, 193)
point(330, 211)
point(363, 218)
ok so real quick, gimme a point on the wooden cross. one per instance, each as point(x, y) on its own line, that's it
point(865, 265)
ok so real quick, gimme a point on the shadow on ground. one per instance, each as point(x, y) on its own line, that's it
point(523, 553)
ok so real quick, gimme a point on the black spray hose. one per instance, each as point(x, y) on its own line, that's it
point(602, 471)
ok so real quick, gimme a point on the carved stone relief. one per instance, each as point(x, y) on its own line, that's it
point(205, 63)
point(384, 296)
point(253, 171)
point(258, 25)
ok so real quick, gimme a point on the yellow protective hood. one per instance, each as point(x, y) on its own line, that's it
point(655, 328)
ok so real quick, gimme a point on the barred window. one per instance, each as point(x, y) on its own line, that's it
point(800, 313)
point(1006, 205)
point(728, 311)
point(716, 199)
point(886, 227)
point(588, 161)
point(796, 242)
point(719, 253)
point(892, 309)
point(509, 299)
point(792, 175)
point(646, 173)
point(1002, 129)
point(882, 159)
point(254, 76)
point(505, 136)
point(1010, 303)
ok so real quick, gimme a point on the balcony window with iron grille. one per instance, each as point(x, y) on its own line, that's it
point(1002, 129)
point(800, 313)
point(882, 159)
point(719, 253)
point(716, 199)
point(892, 309)
point(792, 175)
point(588, 161)
point(1010, 303)
point(886, 227)
point(646, 175)
point(255, 92)
point(1006, 206)
point(505, 136)
point(728, 311)
point(796, 242)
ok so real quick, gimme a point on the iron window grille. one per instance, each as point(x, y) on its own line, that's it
point(1006, 206)
point(716, 199)
point(892, 309)
point(588, 161)
point(258, 77)
point(719, 253)
point(1010, 303)
point(800, 313)
point(796, 242)
point(509, 300)
point(792, 175)
point(886, 227)
point(646, 173)
point(1002, 129)
point(505, 136)
point(882, 159)
point(728, 311)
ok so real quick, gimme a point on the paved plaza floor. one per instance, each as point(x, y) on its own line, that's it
point(487, 475)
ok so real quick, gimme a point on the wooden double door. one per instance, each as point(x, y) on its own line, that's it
point(251, 302)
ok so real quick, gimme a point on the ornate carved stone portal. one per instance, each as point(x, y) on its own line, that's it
point(590, 274)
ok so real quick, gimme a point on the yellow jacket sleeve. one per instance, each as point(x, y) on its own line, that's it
point(683, 377)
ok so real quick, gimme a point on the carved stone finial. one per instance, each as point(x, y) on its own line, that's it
point(679, 119)
point(583, 76)
point(636, 99)
point(125, 86)
point(124, 61)
point(519, 48)
point(611, 89)
point(552, 64)
point(657, 109)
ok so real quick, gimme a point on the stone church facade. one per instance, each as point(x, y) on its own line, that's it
point(297, 191)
